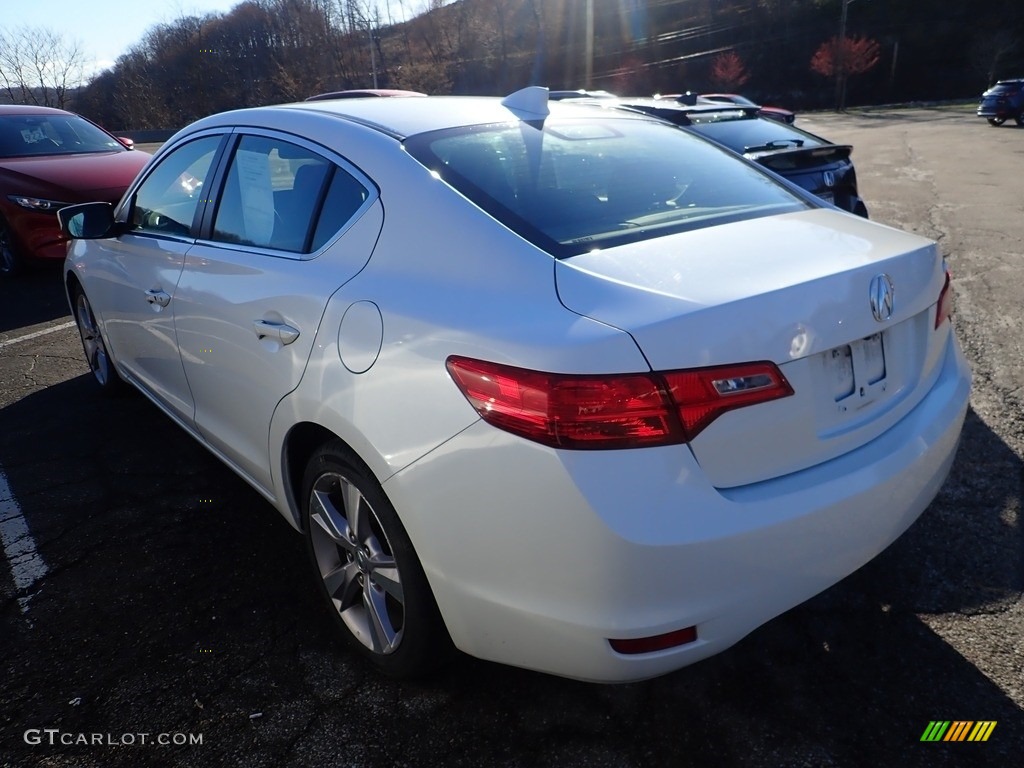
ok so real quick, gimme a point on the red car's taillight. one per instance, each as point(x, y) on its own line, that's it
point(615, 411)
point(944, 307)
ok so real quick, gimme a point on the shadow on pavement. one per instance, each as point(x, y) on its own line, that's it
point(35, 297)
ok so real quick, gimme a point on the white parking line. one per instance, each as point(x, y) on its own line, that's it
point(27, 565)
point(27, 336)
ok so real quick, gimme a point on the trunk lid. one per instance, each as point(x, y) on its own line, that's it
point(795, 290)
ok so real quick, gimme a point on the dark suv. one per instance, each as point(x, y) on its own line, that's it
point(816, 164)
point(1002, 101)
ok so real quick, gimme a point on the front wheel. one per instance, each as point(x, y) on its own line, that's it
point(996, 121)
point(10, 264)
point(367, 569)
point(95, 349)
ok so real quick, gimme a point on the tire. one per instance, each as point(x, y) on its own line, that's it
point(1019, 119)
point(366, 567)
point(10, 264)
point(95, 348)
point(996, 121)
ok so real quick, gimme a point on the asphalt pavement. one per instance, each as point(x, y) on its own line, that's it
point(155, 611)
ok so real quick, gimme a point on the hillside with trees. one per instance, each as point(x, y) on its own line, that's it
point(778, 51)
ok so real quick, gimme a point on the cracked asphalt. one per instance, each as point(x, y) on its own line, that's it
point(177, 602)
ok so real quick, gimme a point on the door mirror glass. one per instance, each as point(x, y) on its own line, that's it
point(88, 221)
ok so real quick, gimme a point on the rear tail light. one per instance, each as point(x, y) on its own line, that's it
point(944, 307)
point(615, 411)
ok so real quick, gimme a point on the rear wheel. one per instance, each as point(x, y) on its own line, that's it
point(95, 348)
point(1019, 119)
point(996, 121)
point(367, 569)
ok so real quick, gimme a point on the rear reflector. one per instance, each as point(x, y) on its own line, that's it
point(631, 410)
point(656, 643)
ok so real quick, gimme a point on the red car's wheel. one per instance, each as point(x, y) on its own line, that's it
point(10, 264)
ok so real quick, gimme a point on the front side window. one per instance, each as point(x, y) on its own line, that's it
point(167, 200)
point(573, 185)
point(282, 196)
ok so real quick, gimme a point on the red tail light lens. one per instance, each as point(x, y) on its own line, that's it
point(945, 304)
point(704, 394)
point(615, 411)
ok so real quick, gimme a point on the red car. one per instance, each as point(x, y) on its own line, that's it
point(50, 158)
point(775, 113)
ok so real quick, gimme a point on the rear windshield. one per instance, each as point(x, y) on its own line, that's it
point(753, 134)
point(576, 185)
point(36, 135)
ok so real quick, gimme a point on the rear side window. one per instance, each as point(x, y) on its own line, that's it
point(571, 186)
point(284, 197)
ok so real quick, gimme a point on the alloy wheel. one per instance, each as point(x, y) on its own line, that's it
point(8, 261)
point(92, 341)
point(357, 563)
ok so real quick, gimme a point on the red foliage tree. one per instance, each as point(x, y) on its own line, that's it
point(842, 57)
point(849, 56)
point(728, 72)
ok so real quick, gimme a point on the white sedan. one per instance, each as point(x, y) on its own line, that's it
point(564, 388)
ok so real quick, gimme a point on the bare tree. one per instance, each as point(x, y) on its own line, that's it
point(38, 66)
point(990, 50)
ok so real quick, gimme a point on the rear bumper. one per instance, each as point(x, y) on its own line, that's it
point(537, 557)
point(1004, 112)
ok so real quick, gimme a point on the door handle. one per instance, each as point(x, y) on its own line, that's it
point(283, 333)
point(157, 296)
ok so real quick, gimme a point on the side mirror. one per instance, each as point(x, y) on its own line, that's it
point(87, 221)
point(128, 143)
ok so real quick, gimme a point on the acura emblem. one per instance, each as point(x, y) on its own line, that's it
point(830, 179)
point(881, 297)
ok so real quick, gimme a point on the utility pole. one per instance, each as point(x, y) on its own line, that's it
point(839, 63)
point(373, 53)
point(588, 54)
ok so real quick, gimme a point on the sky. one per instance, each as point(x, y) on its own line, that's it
point(104, 28)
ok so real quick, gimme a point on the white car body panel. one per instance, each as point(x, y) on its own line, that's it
point(140, 332)
point(237, 378)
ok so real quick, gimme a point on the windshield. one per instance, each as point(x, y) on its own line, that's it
point(575, 185)
point(52, 134)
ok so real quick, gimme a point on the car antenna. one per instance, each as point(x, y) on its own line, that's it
point(528, 104)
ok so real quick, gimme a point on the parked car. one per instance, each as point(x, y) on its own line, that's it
point(565, 387)
point(363, 93)
point(813, 163)
point(774, 113)
point(1002, 102)
point(50, 158)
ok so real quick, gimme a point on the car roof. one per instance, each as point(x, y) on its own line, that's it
point(407, 117)
point(361, 93)
point(30, 109)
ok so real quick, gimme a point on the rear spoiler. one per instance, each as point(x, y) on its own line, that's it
point(784, 159)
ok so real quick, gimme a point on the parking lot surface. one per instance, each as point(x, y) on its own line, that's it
point(154, 610)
